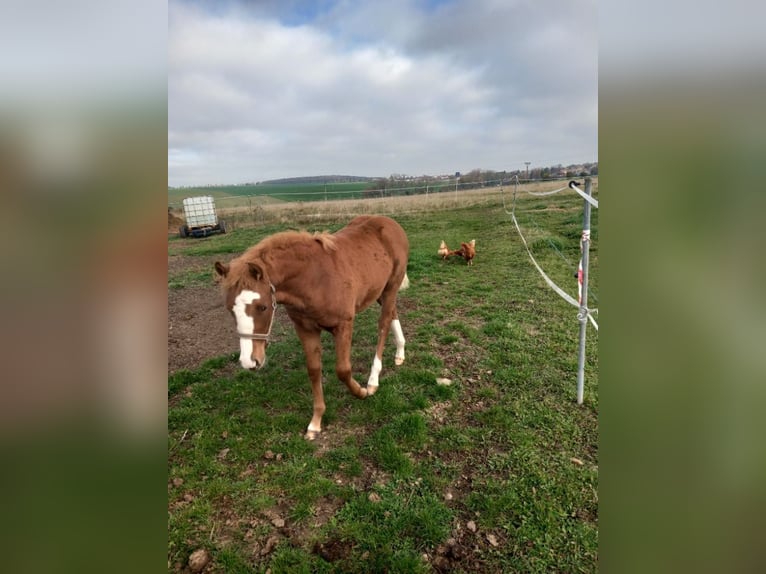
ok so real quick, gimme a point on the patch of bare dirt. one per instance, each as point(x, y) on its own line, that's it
point(333, 550)
point(180, 264)
point(199, 327)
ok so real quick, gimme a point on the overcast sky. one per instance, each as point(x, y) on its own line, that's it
point(286, 88)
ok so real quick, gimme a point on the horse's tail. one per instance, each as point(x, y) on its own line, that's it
point(405, 282)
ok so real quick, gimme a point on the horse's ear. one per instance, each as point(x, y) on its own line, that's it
point(221, 268)
point(255, 271)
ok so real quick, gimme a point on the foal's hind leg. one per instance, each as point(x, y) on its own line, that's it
point(388, 320)
point(396, 327)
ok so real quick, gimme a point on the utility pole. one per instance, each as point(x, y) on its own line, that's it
point(527, 163)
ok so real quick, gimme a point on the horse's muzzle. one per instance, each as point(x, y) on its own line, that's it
point(258, 364)
point(252, 364)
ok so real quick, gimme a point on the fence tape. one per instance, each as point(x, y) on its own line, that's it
point(546, 192)
point(563, 294)
point(585, 196)
point(570, 185)
point(583, 311)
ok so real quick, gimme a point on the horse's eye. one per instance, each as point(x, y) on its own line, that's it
point(261, 308)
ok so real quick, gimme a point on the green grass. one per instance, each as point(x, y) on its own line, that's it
point(401, 474)
point(282, 192)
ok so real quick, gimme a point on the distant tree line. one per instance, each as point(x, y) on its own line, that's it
point(397, 184)
point(317, 179)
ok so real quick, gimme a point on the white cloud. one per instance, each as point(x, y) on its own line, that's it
point(251, 98)
point(52, 53)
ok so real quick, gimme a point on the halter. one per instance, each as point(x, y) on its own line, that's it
point(264, 336)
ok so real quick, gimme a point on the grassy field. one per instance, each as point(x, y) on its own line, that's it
point(228, 195)
point(496, 472)
point(247, 211)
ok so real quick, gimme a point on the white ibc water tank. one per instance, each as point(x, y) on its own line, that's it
point(200, 211)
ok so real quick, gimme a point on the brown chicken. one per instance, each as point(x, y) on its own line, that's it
point(467, 251)
point(443, 250)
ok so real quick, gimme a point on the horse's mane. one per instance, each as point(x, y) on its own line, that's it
point(288, 239)
point(285, 240)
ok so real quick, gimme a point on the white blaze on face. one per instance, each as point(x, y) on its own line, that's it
point(396, 327)
point(245, 324)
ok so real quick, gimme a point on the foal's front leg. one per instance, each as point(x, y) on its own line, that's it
point(312, 348)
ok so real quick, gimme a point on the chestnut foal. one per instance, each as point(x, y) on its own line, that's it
point(323, 280)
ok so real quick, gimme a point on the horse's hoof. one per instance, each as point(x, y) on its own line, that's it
point(371, 390)
point(398, 361)
point(311, 435)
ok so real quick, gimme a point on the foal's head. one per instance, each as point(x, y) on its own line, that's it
point(250, 298)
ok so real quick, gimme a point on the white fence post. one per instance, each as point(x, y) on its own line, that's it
point(583, 314)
